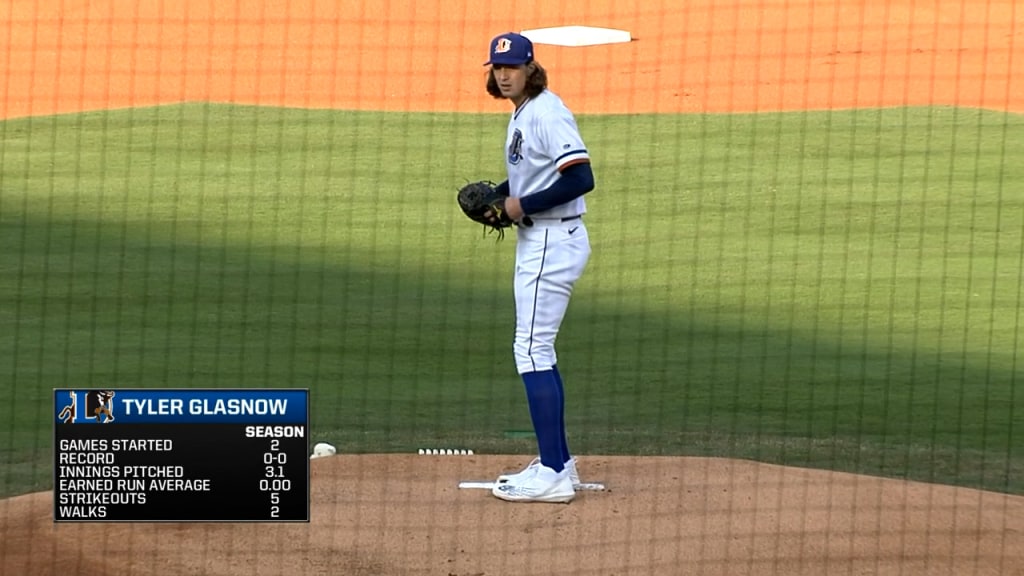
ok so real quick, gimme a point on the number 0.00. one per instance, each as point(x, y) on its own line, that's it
point(275, 484)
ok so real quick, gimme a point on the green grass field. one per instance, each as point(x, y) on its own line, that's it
point(827, 289)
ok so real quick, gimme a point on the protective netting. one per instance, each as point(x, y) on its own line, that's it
point(796, 347)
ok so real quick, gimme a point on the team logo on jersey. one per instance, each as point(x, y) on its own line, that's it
point(515, 149)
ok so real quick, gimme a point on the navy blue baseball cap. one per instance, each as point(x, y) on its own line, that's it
point(511, 49)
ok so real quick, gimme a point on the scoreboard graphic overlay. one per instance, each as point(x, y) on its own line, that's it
point(181, 455)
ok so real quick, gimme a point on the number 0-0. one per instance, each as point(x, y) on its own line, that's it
point(275, 457)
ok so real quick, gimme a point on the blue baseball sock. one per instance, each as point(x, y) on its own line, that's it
point(545, 402)
point(563, 441)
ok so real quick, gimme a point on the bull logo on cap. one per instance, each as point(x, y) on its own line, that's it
point(502, 45)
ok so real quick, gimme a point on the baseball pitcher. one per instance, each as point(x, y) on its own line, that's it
point(549, 172)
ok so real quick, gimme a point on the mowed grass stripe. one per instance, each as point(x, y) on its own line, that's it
point(837, 289)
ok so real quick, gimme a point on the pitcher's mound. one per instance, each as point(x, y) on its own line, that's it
point(398, 514)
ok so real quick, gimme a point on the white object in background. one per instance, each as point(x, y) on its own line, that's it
point(577, 36)
point(323, 449)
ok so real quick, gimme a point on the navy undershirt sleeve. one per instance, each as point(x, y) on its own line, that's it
point(502, 188)
point(575, 181)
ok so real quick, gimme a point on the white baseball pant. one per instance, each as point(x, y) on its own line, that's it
point(550, 257)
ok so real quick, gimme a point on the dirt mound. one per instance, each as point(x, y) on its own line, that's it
point(398, 514)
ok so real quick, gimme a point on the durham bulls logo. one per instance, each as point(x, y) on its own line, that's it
point(99, 403)
point(99, 406)
point(515, 149)
point(502, 45)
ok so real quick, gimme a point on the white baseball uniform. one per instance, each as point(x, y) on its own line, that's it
point(551, 255)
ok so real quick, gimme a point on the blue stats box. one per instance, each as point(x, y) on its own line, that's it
point(181, 406)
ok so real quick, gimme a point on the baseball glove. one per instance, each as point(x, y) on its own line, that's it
point(477, 199)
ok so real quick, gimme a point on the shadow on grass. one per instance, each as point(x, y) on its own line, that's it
point(397, 360)
point(400, 351)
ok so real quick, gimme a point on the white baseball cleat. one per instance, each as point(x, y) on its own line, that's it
point(513, 477)
point(574, 476)
point(523, 474)
point(543, 485)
